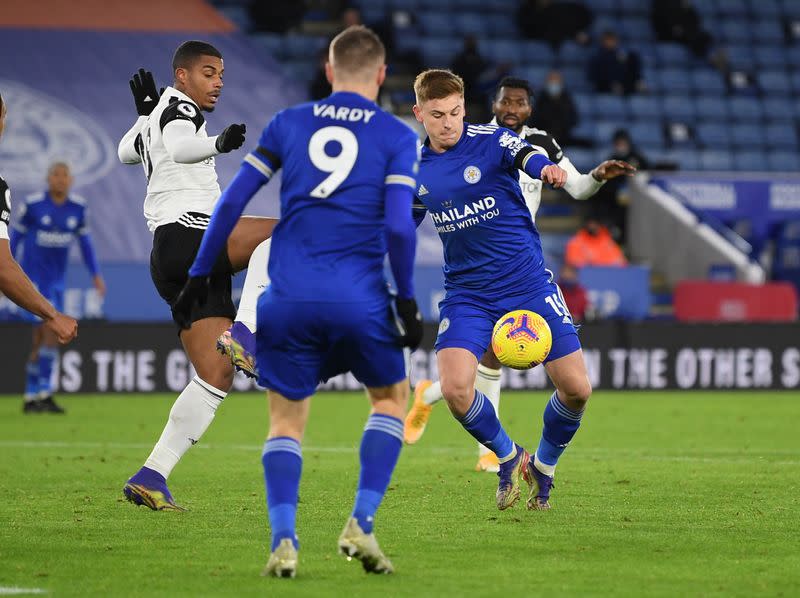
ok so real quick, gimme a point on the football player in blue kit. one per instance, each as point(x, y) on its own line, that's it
point(468, 183)
point(41, 236)
point(348, 181)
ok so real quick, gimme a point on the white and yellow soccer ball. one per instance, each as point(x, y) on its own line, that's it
point(521, 339)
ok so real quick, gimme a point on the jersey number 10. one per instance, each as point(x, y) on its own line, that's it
point(340, 165)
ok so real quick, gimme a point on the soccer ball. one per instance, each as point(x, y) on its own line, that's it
point(521, 339)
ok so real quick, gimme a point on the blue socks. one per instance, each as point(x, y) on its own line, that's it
point(481, 421)
point(47, 356)
point(379, 452)
point(560, 425)
point(283, 463)
point(31, 380)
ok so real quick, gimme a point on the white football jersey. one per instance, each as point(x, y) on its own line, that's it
point(5, 208)
point(175, 190)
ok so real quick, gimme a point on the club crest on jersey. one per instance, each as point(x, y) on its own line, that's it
point(46, 220)
point(444, 325)
point(472, 174)
point(72, 222)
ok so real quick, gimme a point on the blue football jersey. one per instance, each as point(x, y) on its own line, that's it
point(47, 231)
point(472, 193)
point(338, 156)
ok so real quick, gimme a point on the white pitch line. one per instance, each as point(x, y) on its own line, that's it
point(713, 456)
point(15, 591)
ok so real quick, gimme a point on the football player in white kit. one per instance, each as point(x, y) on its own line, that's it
point(512, 108)
point(170, 140)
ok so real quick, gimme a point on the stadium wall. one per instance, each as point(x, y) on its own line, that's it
point(123, 358)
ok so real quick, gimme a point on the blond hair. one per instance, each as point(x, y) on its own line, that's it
point(436, 84)
point(356, 50)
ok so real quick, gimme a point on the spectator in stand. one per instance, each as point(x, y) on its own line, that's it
point(575, 295)
point(473, 68)
point(678, 21)
point(320, 87)
point(613, 69)
point(554, 22)
point(555, 110)
point(593, 245)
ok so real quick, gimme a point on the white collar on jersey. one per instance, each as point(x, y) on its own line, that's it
point(171, 92)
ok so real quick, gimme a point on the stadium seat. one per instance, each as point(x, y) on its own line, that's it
point(770, 56)
point(645, 107)
point(650, 133)
point(502, 50)
point(301, 70)
point(436, 23)
point(707, 81)
point(744, 136)
point(633, 7)
point(674, 80)
point(303, 46)
point(635, 29)
point(535, 75)
point(647, 54)
point(769, 31)
point(793, 55)
point(710, 108)
point(585, 130)
point(678, 107)
point(713, 135)
point(795, 78)
point(672, 55)
point(439, 52)
point(733, 8)
point(734, 30)
point(715, 160)
point(775, 83)
point(748, 161)
point(572, 54)
point(609, 107)
point(783, 161)
point(604, 130)
point(238, 15)
point(706, 8)
point(583, 159)
point(535, 52)
point(503, 25)
point(603, 6)
point(780, 108)
point(780, 137)
point(271, 43)
point(470, 23)
point(770, 9)
point(740, 56)
point(575, 80)
point(584, 102)
point(791, 8)
point(684, 158)
point(745, 109)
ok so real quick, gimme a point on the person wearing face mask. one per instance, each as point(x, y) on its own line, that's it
point(593, 245)
point(555, 109)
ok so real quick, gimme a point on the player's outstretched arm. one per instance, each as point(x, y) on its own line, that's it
point(184, 147)
point(18, 287)
point(227, 212)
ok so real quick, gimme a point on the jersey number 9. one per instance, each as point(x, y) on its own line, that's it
point(340, 165)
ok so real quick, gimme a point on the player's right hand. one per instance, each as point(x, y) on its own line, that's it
point(554, 175)
point(145, 94)
point(64, 327)
point(411, 319)
point(231, 138)
point(194, 292)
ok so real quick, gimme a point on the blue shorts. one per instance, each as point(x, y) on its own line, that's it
point(300, 344)
point(466, 320)
point(53, 292)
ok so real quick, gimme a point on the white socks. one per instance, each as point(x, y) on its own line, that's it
point(255, 281)
point(189, 418)
point(488, 382)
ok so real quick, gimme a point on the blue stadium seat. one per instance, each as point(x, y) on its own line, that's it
point(674, 80)
point(647, 133)
point(602, 6)
point(792, 55)
point(467, 23)
point(795, 77)
point(678, 107)
point(780, 137)
point(766, 8)
point(303, 46)
point(744, 136)
point(585, 130)
point(635, 29)
point(502, 50)
point(584, 102)
point(604, 130)
point(780, 108)
point(436, 22)
point(713, 135)
point(783, 161)
point(238, 15)
point(733, 8)
point(633, 7)
point(472, 5)
point(768, 31)
point(647, 54)
point(503, 25)
point(301, 70)
point(535, 52)
point(685, 159)
point(710, 108)
point(609, 107)
point(583, 159)
point(672, 55)
point(575, 80)
point(740, 56)
point(439, 52)
point(707, 8)
point(707, 81)
point(571, 53)
point(645, 107)
point(745, 109)
point(775, 82)
point(770, 56)
point(748, 161)
point(791, 8)
point(734, 30)
point(270, 43)
point(715, 160)
point(535, 75)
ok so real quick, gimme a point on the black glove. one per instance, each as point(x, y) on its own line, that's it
point(194, 292)
point(144, 91)
point(411, 319)
point(231, 138)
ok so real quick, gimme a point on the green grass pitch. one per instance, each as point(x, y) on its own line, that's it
point(660, 494)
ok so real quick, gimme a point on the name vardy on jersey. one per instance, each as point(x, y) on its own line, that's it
point(343, 113)
point(452, 219)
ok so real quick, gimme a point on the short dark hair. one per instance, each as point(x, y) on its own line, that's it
point(188, 52)
point(515, 83)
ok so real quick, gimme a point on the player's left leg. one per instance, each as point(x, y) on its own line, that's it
point(487, 380)
point(48, 354)
point(248, 247)
point(562, 418)
point(31, 396)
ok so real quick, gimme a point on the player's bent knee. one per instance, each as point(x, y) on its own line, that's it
point(459, 396)
point(577, 392)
